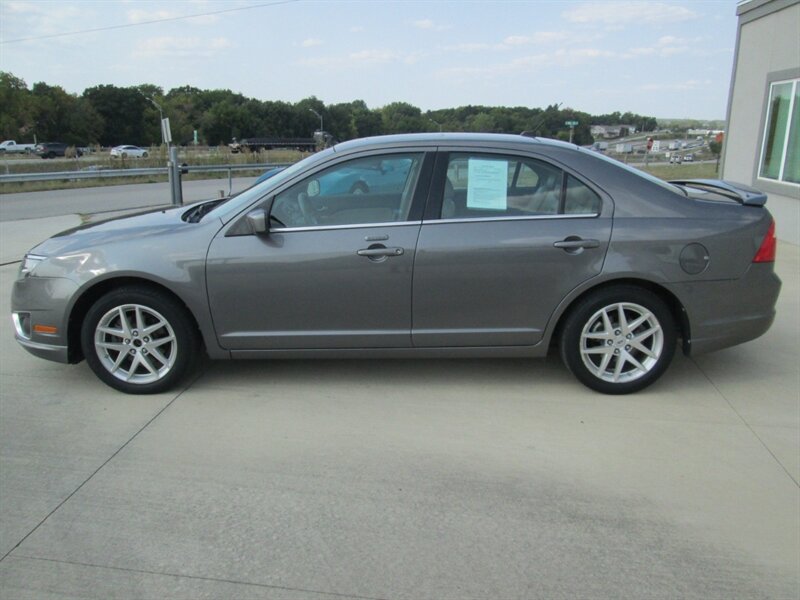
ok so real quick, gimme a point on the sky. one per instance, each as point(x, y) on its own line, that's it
point(657, 58)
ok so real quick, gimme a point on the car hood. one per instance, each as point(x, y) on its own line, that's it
point(142, 226)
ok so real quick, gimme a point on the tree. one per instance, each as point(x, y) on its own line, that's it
point(123, 113)
point(15, 115)
point(402, 117)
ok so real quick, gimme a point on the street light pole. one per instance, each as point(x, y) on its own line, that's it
point(436, 123)
point(321, 128)
point(160, 114)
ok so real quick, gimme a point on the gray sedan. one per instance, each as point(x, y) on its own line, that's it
point(488, 245)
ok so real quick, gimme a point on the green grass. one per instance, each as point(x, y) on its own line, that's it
point(683, 171)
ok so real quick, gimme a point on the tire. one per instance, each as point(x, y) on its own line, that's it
point(124, 155)
point(144, 154)
point(359, 187)
point(51, 155)
point(618, 340)
point(153, 348)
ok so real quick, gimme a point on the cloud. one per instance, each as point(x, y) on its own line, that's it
point(559, 58)
point(539, 37)
point(665, 46)
point(138, 15)
point(311, 42)
point(142, 16)
point(33, 19)
point(356, 29)
point(627, 12)
point(180, 47)
point(680, 86)
point(429, 24)
point(362, 58)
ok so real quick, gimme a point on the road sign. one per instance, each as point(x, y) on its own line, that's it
point(649, 143)
point(571, 123)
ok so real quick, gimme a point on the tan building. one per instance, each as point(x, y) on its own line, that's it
point(762, 144)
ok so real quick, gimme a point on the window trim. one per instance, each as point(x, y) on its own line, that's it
point(433, 206)
point(795, 81)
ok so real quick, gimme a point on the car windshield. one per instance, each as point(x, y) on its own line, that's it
point(635, 171)
point(228, 207)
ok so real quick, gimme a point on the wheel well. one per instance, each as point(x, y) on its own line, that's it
point(94, 293)
point(672, 302)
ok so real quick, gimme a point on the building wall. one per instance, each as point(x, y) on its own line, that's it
point(768, 49)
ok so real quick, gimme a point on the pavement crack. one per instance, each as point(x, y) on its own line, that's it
point(746, 424)
point(198, 577)
point(108, 460)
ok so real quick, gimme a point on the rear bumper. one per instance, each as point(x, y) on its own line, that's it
point(726, 313)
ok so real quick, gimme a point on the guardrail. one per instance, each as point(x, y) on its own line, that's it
point(110, 173)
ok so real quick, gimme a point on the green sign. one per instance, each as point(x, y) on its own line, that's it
point(571, 123)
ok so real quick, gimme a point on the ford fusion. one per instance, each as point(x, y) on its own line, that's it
point(429, 245)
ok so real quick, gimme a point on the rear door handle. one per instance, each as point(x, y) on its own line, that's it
point(378, 252)
point(574, 243)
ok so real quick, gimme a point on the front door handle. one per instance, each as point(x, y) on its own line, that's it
point(380, 252)
point(575, 243)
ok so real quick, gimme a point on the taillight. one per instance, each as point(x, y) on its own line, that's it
point(766, 253)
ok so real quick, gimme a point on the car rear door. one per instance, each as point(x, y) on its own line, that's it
point(505, 238)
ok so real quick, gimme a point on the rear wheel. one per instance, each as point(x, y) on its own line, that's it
point(144, 154)
point(619, 340)
point(138, 340)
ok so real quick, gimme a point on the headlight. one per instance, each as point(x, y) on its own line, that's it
point(29, 264)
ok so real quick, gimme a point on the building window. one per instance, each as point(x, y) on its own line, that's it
point(780, 152)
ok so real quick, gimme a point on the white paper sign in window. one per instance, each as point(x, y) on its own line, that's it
point(487, 185)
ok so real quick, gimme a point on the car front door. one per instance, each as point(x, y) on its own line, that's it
point(334, 271)
point(504, 240)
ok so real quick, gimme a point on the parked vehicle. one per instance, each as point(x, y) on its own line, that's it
point(688, 158)
point(272, 143)
point(53, 149)
point(475, 245)
point(12, 147)
point(675, 159)
point(128, 152)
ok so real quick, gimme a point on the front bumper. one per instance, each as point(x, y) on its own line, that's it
point(44, 302)
point(46, 351)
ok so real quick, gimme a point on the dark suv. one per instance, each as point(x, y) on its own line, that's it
point(53, 149)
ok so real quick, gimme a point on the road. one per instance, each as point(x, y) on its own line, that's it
point(33, 205)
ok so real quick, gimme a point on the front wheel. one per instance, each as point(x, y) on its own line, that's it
point(619, 340)
point(144, 154)
point(138, 340)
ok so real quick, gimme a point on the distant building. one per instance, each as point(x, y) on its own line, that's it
point(762, 142)
point(611, 131)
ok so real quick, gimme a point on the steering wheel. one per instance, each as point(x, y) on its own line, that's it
point(306, 209)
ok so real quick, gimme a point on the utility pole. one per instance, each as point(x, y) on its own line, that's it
point(436, 123)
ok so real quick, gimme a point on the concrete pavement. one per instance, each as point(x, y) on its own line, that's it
point(404, 479)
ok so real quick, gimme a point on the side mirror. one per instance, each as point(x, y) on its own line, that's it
point(257, 220)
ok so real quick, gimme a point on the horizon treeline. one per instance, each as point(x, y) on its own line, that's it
point(109, 115)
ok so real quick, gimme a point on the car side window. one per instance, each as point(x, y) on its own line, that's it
point(480, 186)
point(579, 199)
point(375, 189)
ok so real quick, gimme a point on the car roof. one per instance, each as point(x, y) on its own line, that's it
point(433, 139)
